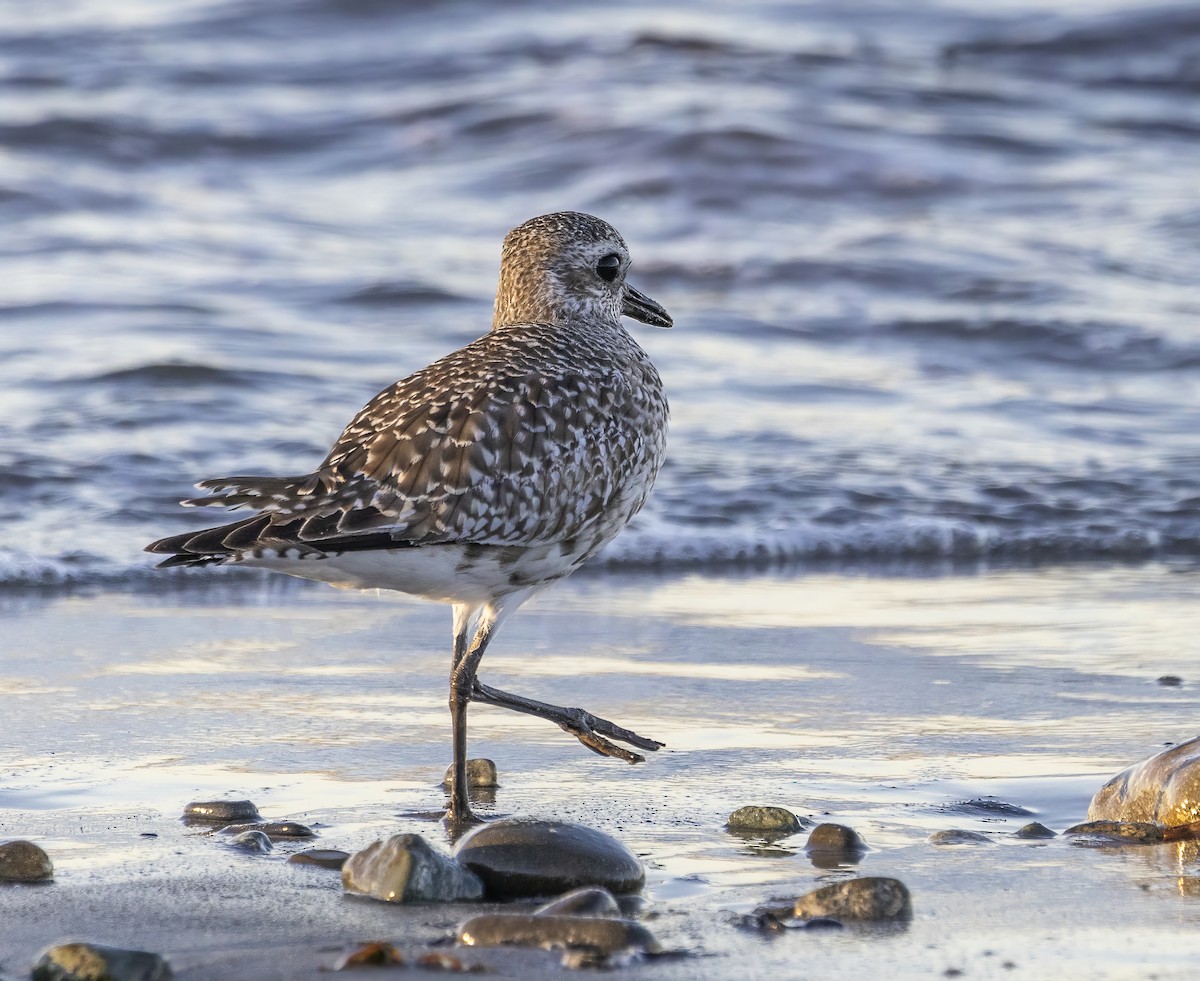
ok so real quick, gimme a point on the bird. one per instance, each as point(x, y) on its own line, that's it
point(483, 478)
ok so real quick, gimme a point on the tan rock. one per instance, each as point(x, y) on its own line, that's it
point(1164, 789)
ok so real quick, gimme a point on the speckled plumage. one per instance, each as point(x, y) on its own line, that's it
point(480, 479)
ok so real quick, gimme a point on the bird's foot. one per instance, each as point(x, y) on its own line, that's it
point(591, 730)
point(459, 820)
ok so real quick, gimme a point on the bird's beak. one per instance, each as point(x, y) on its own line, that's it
point(640, 307)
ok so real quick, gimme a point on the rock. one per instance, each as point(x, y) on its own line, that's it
point(220, 812)
point(604, 936)
point(1109, 832)
point(23, 861)
point(272, 829)
point(1171, 681)
point(591, 901)
point(834, 838)
point(957, 836)
point(94, 962)
point(765, 820)
point(990, 806)
point(1164, 788)
point(518, 857)
point(1035, 830)
point(480, 773)
point(405, 869)
point(254, 842)
point(372, 954)
point(326, 858)
point(868, 898)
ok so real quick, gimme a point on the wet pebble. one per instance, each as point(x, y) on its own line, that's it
point(272, 829)
point(1035, 830)
point(604, 936)
point(517, 857)
point(765, 820)
point(1110, 832)
point(254, 842)
point(957, 836)
point(1171, 681)
point(590, 901)
point(23, 861)
point(325, 858)
point(406, 869)
point(372, 954)
point(95, 962)
point(220, 812)
point(991, 806)
point(835, 837)
point(480, 773)
point(868, 898)
point(1165, 788)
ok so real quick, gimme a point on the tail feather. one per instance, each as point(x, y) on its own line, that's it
point(260, 493)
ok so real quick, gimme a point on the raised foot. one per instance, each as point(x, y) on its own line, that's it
point(589, 729)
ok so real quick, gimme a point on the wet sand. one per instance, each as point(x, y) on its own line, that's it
point(875, 701)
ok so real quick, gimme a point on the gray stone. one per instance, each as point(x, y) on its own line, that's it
point(23, 861)
point(765, 820)
point(1128, 832)
point(604, 936)
point(405, 869)
point(989, 806)
point(1035, 830)
point(480, 773)
point(518, 857)
point(590, 901)
point(868, 898)
point(272, 829)
point(95, 962)
point(325, 858)
point(1164, 789)
point(957, 836)
point(220, 812)
point(835, 838)
point(254, 842)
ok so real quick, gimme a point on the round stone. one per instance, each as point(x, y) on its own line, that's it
point(835, 837)
point(1035, 830)
point(480, 773)
point(406, 869)
point(518, 857)
point(957, 836)
point(868, 898)
point(220, 812)
point(95, 962)
point(325, 858)
point(23, 861)
point(1165, 788)
point(272, 829)
point(1128, 832)
point(591, 901)
point(604, 936)
point(254, 842)
point(765, 820)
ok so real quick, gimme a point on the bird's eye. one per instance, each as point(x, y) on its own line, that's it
point(608, 267)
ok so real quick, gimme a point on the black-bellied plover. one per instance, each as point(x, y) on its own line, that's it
point(488, 475)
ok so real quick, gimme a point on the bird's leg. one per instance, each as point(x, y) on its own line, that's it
point(589, 729)
point(462, 683)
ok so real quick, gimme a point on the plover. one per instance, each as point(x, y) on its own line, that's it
point(485, 477)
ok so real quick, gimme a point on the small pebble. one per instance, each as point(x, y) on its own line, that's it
point(405, 869)
point(220, 812)
point(767, 820)
point(835, 837)
point(254, 842)
point(518, 857)
point(1170, 681)
point(604, 936)
point(1035, 830)
point(23, 861)
point(990, 806)
point(589, 901)
point(957, 836)
point(272, 829)
point(373, 954)
point(1113, 832)
point(325, 858)
point(868, 898)
point(95, 962)
point(480, 773)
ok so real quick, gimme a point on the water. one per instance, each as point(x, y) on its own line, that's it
point(932, 263)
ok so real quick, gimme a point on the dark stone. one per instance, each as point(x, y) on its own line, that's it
point(957, 836)
point(23, 861)
point(1035, 830)
point(220, 812)
point(868, 898)
point(480, 773)
point(325, 858)
point(835, 837)
point(405, 869)
point(254, 842)
point(1164, 789)
point(1171, 681)
point(990, 806)
point(590, 901)
point(1115, 832)
point(765, 820)
point(518, 857)
point(604, 936)
point(94, 962)
point(272, 829)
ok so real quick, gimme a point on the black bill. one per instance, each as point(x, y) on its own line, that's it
point(641, 307)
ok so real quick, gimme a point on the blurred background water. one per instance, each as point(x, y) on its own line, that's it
point(932, 264)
